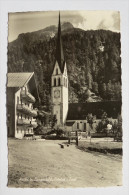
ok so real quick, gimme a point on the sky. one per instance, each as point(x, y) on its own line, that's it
point(22, 22)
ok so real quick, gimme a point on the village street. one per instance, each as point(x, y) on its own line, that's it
point(45, 164)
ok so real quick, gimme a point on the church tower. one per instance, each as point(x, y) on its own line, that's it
point(59, 83)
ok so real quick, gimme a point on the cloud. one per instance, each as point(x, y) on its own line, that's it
point(72, 16)
point(108, 20)
point(23, 22)
point(102, 25)
point(116, 18)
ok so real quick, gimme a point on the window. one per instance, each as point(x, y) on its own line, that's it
point(77, 125)
point(8, 117)
point(56, 71)
point(21, 116)
point(59, 81)
point(21, 101)
point(17, 115)
point(17, 100)
point(25, 116)
point(84, 126)
point(28, 117)
point(66, 83)
point(17, 130)
point(54, 81)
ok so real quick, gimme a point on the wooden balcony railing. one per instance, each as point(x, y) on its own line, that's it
point(23, 122)
point(26, 95)
point(27, 110)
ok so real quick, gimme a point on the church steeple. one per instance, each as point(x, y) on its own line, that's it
point(59, 82)
point(59, 48)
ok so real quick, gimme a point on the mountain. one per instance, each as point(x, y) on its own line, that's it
point(92, 57)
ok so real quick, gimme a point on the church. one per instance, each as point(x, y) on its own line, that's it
point(73, 115)
point(59, 83)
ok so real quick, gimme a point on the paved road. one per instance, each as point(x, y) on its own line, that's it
point(45, 164)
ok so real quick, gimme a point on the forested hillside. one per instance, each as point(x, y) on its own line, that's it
point(93, 61)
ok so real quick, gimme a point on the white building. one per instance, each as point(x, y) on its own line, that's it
point(21, 89)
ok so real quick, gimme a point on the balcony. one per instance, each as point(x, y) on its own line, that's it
point(27, 96)
point(34, 124)
point(25, 109)
point(23, 122)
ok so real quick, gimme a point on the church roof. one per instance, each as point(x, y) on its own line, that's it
point(79, 111)
point(59, 49)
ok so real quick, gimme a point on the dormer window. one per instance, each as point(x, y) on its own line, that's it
point(56, 71)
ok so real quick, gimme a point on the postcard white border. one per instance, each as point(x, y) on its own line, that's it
point(40, 5)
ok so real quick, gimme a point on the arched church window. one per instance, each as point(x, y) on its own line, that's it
point(54, 81)
point(64, 81)
point(59, 81)
point(57, 71)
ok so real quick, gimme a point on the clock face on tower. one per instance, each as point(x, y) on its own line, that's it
point(56, 93)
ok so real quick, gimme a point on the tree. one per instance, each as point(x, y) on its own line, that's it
point(90, 120)
point(120, 123)
point(95, 87)
point(102, 125)
point(117, 91)
point(102, 90)
point(89, 80)
point(109, 90)
point(84, 95)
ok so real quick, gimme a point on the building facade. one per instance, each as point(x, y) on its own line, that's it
point(21, 88)
point(77, 114)
point(59, 83)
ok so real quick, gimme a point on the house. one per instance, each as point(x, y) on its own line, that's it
point(21, 95)
point(77, 114)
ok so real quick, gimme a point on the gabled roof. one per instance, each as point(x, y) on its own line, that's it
point(59, 49)
point(79, 111)
point(19, 79)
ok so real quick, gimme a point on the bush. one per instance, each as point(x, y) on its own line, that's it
point(51, 132)
point(101, 127)
point(54, 137)
point(40, 130)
